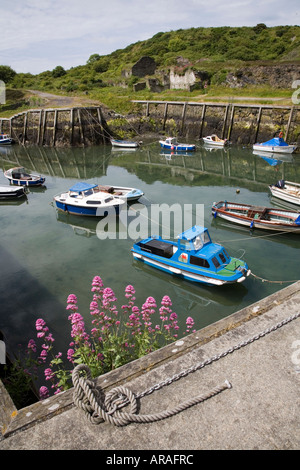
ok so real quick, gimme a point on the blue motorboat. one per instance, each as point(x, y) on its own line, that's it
point(171, 144)
point(275, 145)
point(193, 257)
point(19, 176)
point(86, 199)
point(5, 139)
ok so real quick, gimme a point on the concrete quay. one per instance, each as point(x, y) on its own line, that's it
point(256, 350)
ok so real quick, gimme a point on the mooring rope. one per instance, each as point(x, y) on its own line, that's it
point(98, 407)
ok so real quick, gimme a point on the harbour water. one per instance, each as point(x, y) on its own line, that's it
point(46, 255)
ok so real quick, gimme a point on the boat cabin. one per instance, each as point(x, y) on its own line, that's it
point(171, 141)
point(194, 247)
point(90, 192)
point(197, 248)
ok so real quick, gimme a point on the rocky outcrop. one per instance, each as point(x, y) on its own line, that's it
point(277, 76)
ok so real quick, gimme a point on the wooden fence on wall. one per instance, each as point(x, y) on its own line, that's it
point(57, 127)
point(228, 120)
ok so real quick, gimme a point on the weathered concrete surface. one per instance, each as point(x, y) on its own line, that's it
point(260, 411)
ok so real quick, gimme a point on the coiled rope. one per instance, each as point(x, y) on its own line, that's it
point(98, 407)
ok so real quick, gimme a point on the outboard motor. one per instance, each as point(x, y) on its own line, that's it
point(280, 184)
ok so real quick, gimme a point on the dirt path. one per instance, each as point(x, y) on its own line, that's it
point(58, 101)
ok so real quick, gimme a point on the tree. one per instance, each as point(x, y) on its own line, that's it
point(6, 73)
point(93, 58)
point(59, 71)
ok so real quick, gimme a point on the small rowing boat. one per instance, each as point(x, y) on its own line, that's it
point(127, 144)
point(19, 176)
point(258, 217)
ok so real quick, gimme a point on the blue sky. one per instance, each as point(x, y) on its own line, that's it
point(38, 35)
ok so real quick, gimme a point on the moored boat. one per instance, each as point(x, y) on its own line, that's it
point(171, 143)
point(193, 257)
point(214, 140)
point(287, 191)
point(9, 192)
point(5, 139)
point(275, 145)
point(86, 199)
point(124, 143)
point(19, 176)
point(258, 216)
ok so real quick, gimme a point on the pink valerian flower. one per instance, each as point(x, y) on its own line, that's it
point(70, 353)
point(44, 393)
point(31, 345)
point(108, 298)
point(49, 374)
point(43, 355)
point(148, 308)
point(189, 325)
point(78, 328)
point(40, 324)
point(97, 284)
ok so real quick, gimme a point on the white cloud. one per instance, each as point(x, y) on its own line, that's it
point(37, 35)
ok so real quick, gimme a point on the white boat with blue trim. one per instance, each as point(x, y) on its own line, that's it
point(87, 199)
point(171, 143)
point(19, 176)
point(275, 145)
point(5, 139)
point(193, 257)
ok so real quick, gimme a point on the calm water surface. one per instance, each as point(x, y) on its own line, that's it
point(45, 255)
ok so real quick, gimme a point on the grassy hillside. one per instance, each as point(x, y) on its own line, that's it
point(213, 50)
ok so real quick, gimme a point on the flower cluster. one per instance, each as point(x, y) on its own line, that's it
point(115, 338)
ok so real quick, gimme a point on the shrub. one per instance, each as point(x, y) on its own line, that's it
point(116, 337)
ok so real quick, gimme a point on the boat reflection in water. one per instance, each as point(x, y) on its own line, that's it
point(194, 295)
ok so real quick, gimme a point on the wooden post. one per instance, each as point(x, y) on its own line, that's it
point(165, 115)
point(183, 116)
point(289, 123)
point(202, 120)
point(39, 128)
point(224, 122)
point(101, 125)
point(72, 125)
point(147, 109)
point(44, 126)
point(257, 123)
point(231, 123)
point(54, 127)
point(80, 126)
point(25, 126)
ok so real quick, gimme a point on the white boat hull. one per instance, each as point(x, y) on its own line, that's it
point(290, 193)
point(124, 144)
point(213, 143)
point(275, 149)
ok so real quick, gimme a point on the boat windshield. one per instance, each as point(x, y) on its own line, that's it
point(201, 240)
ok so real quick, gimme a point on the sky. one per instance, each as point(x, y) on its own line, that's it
point(38, 35)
